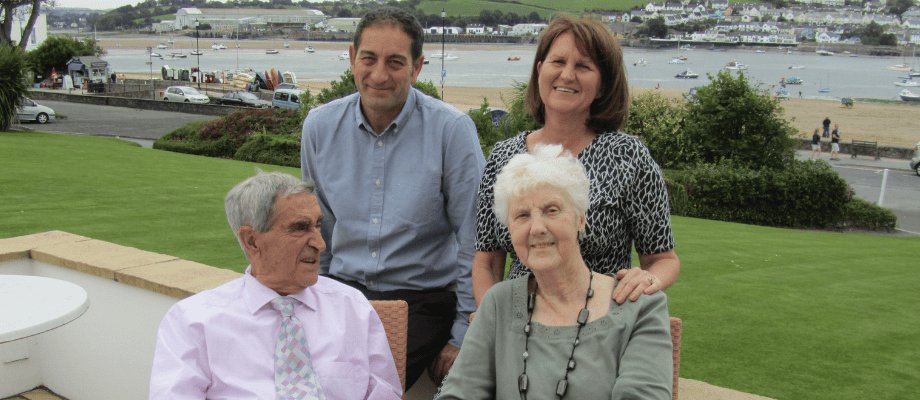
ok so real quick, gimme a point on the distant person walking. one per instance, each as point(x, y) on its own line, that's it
point(816, 145)
point(835, 143)
point(827, 127)
point(800, 93)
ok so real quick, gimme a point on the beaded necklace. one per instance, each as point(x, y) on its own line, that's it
point(563, 384)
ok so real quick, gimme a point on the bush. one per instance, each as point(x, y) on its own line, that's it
point(222, 137)
point(12, 83)
point(346, 86)
point(271, 149)
point(657, 120)
point(861, 214)
point(806, 194)
point(488, 133)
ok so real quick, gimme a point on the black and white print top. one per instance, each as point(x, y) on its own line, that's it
point(628, 203)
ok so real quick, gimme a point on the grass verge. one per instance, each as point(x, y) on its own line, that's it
point(781, 313)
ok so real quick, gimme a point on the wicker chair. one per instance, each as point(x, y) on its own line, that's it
point(675, 340)
point(395, 317)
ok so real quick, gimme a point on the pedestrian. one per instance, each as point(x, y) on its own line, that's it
point(835, 143)
point(827, 127)
point(815, 145)
point(800, 94)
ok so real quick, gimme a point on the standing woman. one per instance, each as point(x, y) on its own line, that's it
point(578, 90)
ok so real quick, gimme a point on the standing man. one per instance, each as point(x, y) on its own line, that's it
point(835, 143)
point(397, 175)
point(827, 127)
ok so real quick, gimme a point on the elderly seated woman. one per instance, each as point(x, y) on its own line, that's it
point(555, 333)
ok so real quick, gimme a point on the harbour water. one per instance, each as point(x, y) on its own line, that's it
point(845, 76)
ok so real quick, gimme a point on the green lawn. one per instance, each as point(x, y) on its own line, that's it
point(781, 313)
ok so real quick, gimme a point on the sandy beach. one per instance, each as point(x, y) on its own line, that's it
point(891, 124)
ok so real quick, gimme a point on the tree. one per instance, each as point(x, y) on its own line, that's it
point(730, 119)
point(657, 28)
point(55, 51)
point(899, 6)
point(8, 6)
point(13, 86)
point(635, 18)
point(657, 120)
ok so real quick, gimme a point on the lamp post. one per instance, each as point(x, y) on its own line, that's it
point(197, 54)
point(443, 71)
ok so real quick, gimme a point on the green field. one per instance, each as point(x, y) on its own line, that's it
point(782, 313)
point(546, 8)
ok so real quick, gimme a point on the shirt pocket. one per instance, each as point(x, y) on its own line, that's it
point(417, 197)
point(343, 380)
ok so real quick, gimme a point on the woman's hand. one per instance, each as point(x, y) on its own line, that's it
point(633, 283)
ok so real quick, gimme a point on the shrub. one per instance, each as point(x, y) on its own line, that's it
point(806, 194)
point(657, 120)
point(488, 133)
point(271, 149)
point(346, 86)
point(12, 83)
point(222, 137)
point(861, 214)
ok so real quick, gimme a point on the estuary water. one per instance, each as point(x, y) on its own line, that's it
point(845, 76)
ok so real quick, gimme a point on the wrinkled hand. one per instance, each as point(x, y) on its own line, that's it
point(442, 363)
point(633, 283)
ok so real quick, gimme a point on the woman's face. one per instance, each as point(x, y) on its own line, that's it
point(569, 80)
point(544, 228)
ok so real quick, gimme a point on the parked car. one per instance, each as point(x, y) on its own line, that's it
point(287, 98)
point(242, 98)
point(185, 94)
point(32, 111)
point(915, 160)
point(286, 85)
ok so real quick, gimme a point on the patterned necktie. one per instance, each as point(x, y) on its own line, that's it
point(294, 375)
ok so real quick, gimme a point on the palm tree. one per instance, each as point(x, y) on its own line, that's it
point(13, 86)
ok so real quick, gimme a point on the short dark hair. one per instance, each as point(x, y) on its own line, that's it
point(395, 17)
point(610, 111)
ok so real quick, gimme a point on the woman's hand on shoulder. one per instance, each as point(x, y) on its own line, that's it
point(633, 283)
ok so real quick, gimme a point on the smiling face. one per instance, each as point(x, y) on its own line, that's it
point(544, 229)
point(384, 71)
point(569, 80)
point(286, 257)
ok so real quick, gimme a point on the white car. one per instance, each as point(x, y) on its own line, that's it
point(32, 111)
point(185, 94)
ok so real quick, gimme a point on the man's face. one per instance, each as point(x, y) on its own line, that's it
point(384, 70)
point(286, 257)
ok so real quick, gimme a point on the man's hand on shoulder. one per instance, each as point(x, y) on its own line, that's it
point(442, 363)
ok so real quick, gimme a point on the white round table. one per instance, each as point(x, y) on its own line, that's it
point(30, 305)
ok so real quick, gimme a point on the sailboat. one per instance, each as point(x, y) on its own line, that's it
point(825, 89)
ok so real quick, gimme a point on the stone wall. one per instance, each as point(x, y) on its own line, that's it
point(135, 100)
point(900, 153)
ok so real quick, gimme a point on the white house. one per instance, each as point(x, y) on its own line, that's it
point(524, 29)
point(449, 30)
point(825, 37)
point(39, 30)
point(475, 29)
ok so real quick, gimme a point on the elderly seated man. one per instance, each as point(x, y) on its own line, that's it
point(279, 331)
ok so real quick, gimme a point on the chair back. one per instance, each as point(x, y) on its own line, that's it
point(394, 314)
point(675, 341)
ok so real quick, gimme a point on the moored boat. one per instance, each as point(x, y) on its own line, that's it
point(796, 67)
point(791, 81)
point(450, 57)
point(196, 52)
point(907, 95)
point(162, 46)
point(678, 60)
point(343, 56)
point(901, 67)
point(823, 52)
point(514, 58)
point(907, 83)
point(271, 51)
point(310, 49)
point(734, 64)
point(688, 74)
point(642, 63)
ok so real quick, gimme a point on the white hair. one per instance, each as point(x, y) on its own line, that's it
point(547, 166)
point(252, 202)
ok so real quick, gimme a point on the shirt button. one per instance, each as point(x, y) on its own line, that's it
point(374, 254)
point(395, 130)
point(379, 143)
point(375, 220)
point(378, 182)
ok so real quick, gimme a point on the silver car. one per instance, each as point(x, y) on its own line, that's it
point(915, 160)
point(32, 111)
point(185, 94)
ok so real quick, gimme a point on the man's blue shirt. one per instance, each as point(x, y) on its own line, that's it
point(399, 208)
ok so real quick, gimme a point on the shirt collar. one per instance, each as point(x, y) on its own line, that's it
point(400, 120)
point(256, 295)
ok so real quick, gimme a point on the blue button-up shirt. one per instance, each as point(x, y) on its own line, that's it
point(399, 208)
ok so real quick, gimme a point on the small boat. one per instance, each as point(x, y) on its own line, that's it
point(287, 45)
point(310, 49)
point(678, 60)
point(450, 57)
point(901, 67)
point(907, 95)
point(782, 94)
point(171, 41)
point(344, 56)
point(177, 55)
point(215, 46)
point(823, 52)
point(642, 63)
point(271, 51)
point(437, 56)
point(156, 55)
point(196, 52)
point(221, 46)
point(788, 51)
point(797, 67)
point(791, 81)
point(759, 51)
point(824, 90)
point(734, 64)
point(514, 58)
point(289, 77)
point(162, 46)
point(688, 74)
point(907, 83)
point(913, 74)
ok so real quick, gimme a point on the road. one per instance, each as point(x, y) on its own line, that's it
point(865, 175)
point(142, 126)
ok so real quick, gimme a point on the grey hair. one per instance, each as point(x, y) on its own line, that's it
point(252, 202)
point(547, 166)
point(391, 16)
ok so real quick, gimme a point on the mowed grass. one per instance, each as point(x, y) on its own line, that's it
point(546, 8)
point(781, 313)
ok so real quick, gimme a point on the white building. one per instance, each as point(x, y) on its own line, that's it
point(450, 30)
point(524, 29)
point(229, 19)
point(39, 30)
